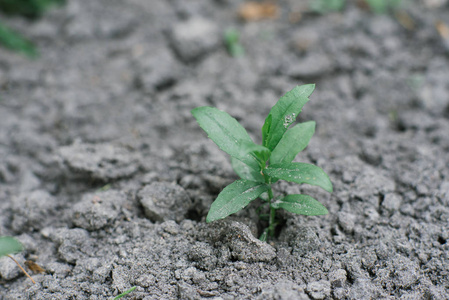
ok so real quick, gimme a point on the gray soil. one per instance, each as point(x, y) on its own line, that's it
point(106, 178)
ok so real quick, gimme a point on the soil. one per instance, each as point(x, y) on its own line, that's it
point(106, 178)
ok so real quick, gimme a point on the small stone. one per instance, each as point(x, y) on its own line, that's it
point(203, 255)
point(405, 272)
point(319, 289)
point(72, 243)
point(302, 239)
point(146, 280)
point(339, 293)
point(164, 201)
point(102, 273)
point(156, 70)
point(58, 269)
point(188, 292)
point(170, 227)
point(242, 243)
point(120, 278)
point(364, 289)
point(392, 202)
point(193, 38)
point(370, 183)
point(338, 278)
point(95, 211)
point(346, 221)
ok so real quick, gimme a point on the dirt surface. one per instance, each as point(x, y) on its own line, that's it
point(106, 178)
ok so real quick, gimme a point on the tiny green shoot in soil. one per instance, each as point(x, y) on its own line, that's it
point(260, 166)
point(232, 41)
point(326, 6)
point(383, 6)
point(125, 293)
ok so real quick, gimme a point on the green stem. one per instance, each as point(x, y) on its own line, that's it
point(272, 223)
point(272, 219)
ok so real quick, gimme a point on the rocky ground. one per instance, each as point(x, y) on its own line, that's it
point(106, 178)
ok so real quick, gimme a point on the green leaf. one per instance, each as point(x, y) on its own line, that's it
point(226, 132)
point(283, 113)
point(231, 39)
point(382, 6)
point(258, 152)
point(28, 8)
point(301, 205)
point(250, 152)
point(300, 173)
point(263, 236)
point(125, 293)
point(326, 6)
point(292, 142)
point(265, 129)
point(16, 42)
point(9, 245)
point(234, 197)
point(246, 172)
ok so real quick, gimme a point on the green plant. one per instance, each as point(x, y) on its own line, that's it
point(326, 6)
point(260, 166)
point(125, 293)
point(9, 245)
point(28, 8)
point(16, 42)
point(382, 6)
point(231, 39)
point(31, 9)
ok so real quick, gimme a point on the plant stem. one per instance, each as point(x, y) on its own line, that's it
point(23, 270)
point(272, 219)
point(272, 223)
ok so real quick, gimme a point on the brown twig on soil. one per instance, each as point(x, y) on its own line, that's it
point(23, 270)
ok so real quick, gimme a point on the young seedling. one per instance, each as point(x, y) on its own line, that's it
point(125, 293)
point(260, 166)
point(326, 6)
point(16, 42)
point(383, 6)
point(28, 8)
point(232, 41)
point(9, 245)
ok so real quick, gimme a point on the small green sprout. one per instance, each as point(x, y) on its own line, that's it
point(28, 8)
point(260, 166)
point(326, 6)
point(31, 9)
point(9, 245)
point(231, 39)
point(16, 42)
point(125, 293)
point(383, 6)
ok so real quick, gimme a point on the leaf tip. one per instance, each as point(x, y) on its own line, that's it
point(196, 110)
point(309, 88)
point(325, 211)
